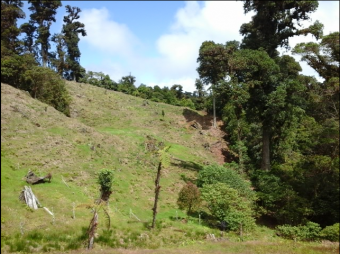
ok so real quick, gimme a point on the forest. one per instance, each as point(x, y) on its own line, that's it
point(282, 167)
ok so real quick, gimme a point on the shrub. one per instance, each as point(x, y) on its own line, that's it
point(308, 232)
point(189, 197)
point(219, 174)
point(47, 86)
point(226, 204)
point(105, 179)
point(330, 233)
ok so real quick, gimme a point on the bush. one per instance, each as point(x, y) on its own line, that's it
point(220, 174)
point(226, 205)
point(47, 86)
point(189, 197)
point(308, 232)
point(105, 179)
point(330, 233)
point(13, 67)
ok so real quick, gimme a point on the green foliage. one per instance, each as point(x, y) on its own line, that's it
point(213, 62)
point(227, 174)
point(279, 199)
point(275, 22)
point(330, 233)
point(308, 232)
point(71, 30)
point(105, 179)
point(189, 197)
point(14, 66)
point(42, 16)
point(226, 204)
point(164, 156)
point(10, 13)
point(46, 86)
point(322, 57)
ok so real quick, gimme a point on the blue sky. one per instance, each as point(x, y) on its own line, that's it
point(158, 41)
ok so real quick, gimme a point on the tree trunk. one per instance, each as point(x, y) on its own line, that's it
point(92, 230)
point(265, 148)
point(157, 188)
point(240, 153)
point(214, 109)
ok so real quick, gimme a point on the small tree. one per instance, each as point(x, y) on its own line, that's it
point(163, 161)
point(189, 198)
point(105, 179)
point(226, 204)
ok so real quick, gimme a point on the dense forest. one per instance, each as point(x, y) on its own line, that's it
point(282, 127)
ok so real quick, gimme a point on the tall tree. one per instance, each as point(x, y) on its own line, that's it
point(272, 26)
point(13, 62)
point(29, 40)
point(59, 61)
point(324, 57)
point(320, 164)
point(43, 14)
point(213, 66)
point(10, 13)
point(277, 21)
point(71, 30)
point(127, 84)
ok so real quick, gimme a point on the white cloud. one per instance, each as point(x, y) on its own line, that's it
point(106, 35)
point(193, 25)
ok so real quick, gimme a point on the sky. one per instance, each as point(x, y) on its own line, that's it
point(158, 41)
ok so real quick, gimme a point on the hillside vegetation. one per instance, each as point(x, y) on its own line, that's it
point(106, 130)
point(109, 129)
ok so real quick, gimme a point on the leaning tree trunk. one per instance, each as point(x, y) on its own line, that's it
point(265, 165)
point(92, 230)
point(157, 188)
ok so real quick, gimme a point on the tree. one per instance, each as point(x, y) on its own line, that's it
point(10, 13)
point(199, 95)
point(322, 57)
point(272, 26)
point(59, 62)
point(213, 66)
point(70, 30)
point(29, 44)
point(178, 91)
point(43, 13)
point(189, 197)
point(275, 22)
point(318, 167)
point(105, 180)
point(13, 67)
point(256, 72)
point(163, 161)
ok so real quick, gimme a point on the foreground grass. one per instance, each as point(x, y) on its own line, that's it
point(223, 247)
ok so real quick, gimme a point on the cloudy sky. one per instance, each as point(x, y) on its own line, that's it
point(158, 42)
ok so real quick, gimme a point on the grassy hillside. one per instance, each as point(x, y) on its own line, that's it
point(111, 130)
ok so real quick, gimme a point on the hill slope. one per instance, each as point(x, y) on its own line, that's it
point(106, 129)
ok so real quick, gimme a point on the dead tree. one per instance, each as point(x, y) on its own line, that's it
point(157, 188)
